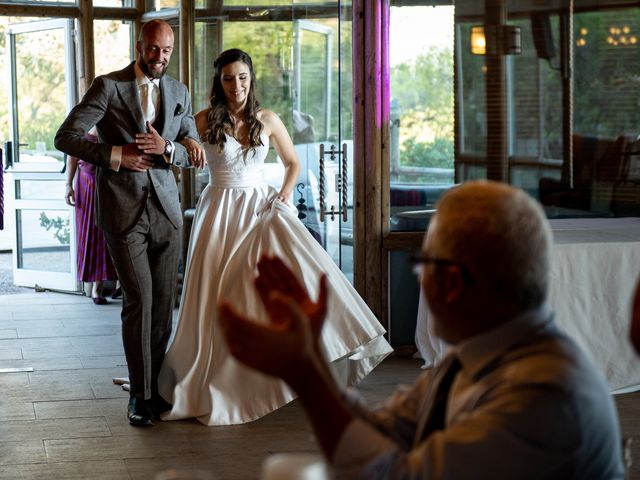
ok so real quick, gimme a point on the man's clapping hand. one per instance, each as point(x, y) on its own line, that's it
point(290, 343)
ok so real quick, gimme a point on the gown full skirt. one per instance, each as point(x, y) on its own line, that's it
point(238, 219)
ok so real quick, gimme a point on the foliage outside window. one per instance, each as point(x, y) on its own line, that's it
point(421, 112)
point(41, 110)
point(274, 65)
point(112, 45)
point(422, 89)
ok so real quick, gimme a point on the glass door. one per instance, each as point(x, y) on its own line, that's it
point(303, 67)
point(322, 128)
point(42, 90)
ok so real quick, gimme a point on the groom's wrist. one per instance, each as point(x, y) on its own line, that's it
point(169, 150)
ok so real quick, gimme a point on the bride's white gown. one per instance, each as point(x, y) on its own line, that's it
point(237, 220)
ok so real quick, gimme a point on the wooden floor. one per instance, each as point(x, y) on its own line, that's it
point(61, 417)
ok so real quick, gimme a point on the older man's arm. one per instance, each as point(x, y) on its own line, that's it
point(290, 349)
point(286, 351)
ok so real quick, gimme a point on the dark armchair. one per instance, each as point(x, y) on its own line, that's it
point(600, 166)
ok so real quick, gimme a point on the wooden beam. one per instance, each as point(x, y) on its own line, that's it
point(407, 241)
point(187, 47)
point(65, 11)
point(88, 71)
point(369, 146)
point(49, 11)
point(359, 217)
point(495, 90)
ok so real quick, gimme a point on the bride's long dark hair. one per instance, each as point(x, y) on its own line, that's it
point(218, 118)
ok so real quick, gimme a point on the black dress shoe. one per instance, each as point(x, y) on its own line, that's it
point(138, 412)
point(117, 293)
point(158, 406)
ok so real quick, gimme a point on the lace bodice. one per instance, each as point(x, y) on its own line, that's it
point(235, 157)
point(235, 165)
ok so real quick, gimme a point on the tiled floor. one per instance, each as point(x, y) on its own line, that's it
point(61, 417)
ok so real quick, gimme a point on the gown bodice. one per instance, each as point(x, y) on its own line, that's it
point(234, 165)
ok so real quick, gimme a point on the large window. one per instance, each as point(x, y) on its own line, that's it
point(533, 105)
point(421, 111)
point(571, 120)
point(112, 45)
point(563, 107)
point(606, 128)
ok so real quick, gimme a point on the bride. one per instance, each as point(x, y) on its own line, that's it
point(238, 219)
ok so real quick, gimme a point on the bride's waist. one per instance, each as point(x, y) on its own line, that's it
point(253, 177)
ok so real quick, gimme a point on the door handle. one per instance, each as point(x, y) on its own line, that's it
point(340, 183)
point(321, 182)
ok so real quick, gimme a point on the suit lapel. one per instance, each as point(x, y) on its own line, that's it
point(128, 91)
point(167, 98)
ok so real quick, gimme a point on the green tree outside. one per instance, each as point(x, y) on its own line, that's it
point(423, 89)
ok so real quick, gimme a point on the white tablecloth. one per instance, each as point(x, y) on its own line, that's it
point(594, 268)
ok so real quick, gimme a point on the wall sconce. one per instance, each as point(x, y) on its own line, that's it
point(502, 40)
point(478, 40)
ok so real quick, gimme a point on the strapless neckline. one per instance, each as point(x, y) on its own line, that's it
point(242, 145)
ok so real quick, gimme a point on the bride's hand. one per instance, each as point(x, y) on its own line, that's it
point(283, 196)
point(195, 152)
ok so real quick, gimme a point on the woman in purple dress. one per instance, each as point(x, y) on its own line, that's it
point(94, 262)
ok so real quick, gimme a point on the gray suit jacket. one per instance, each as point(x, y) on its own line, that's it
point(112, 104)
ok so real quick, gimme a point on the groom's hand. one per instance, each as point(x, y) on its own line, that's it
point(150, 142)
point(135, 159)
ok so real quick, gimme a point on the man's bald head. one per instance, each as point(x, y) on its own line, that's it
point(155, 46)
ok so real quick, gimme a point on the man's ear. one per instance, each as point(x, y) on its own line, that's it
point(454, 283)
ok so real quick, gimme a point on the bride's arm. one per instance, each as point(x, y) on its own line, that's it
point(283, 144)
point(193, 146)
point(201, 121)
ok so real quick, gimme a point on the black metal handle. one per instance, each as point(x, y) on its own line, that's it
point(8, 152)
point(344, 182)
point(321, 181)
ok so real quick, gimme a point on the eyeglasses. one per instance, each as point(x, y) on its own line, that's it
point(418, 260)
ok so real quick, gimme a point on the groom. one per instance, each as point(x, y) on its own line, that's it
point(145, 124)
